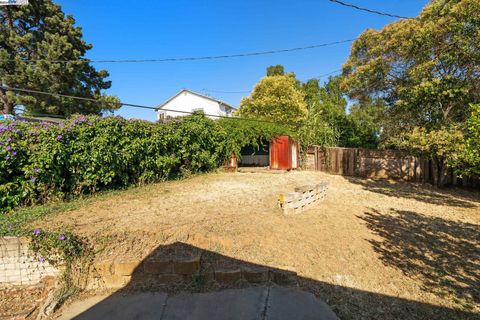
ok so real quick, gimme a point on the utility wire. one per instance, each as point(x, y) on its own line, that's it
point(134, 105)
point(369, 10)
point(237, 55)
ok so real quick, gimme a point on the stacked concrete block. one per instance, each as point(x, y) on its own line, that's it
point(296, 202)
point(19, 265)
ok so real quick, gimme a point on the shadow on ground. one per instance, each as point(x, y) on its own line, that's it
point(347, 303)
point(443, 254)
point(449, 196)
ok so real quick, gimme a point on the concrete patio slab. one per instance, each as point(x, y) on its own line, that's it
point(290, 303)
point(117, 307)
point(254, 303)
point(241, 304)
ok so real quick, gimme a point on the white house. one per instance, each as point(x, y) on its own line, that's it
point(186, 101)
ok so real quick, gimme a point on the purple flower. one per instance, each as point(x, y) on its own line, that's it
point(14, 153)
point(59, 137)
point(7, 158)
point(90, 123)
point(61, 237)
point(33, 179)
point(68, 129)
point(8, 148)
point(37, 232)
point(41, 259)
point(36, 170)
point(9, 139)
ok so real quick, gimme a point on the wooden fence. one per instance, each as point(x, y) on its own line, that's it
point(387, 164)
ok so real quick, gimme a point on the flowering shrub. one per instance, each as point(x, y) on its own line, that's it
point(56, 247)
point(40, 162)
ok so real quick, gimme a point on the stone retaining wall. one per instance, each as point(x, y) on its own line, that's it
point(19, 265)
point(165, 270)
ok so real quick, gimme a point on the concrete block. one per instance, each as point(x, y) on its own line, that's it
point(158, 266)
point(104, 268)
point(125, 268)
point(255, 275)
point(228, 276)
point(283, 277)
point(170, 278)
point(116, 281)
point(187, 265)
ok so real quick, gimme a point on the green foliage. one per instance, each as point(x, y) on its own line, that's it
point(276, 70)
point(362, 127)
point(326, 112)
point(424, 69)
point(328, 123)
point(443, 146)
point(241, 133)
point(276, 98)
point(42, 162)
point(442, 143)
point(468, 163)
point(41, 31)
point(57, 247)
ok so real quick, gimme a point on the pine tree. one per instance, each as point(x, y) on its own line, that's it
point(42, 49)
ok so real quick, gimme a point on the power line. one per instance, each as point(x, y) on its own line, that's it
point(133, 105)
point(236, 55)
point(369, 10)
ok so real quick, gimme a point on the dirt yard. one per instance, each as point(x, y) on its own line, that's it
point(371, 249)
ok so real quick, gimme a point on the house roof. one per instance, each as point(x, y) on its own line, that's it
point(197, 94)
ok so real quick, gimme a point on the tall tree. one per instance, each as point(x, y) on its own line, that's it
point(328, 122)
point(276, 70)
point(42, 49)
point(426, 70)
point(326, 110)
point(275, 98)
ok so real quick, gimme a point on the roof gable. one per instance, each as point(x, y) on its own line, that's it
point(198, 95)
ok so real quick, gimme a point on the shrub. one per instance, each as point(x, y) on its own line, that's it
point(42, 162)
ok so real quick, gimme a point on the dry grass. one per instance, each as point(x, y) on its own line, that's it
point(372, 249)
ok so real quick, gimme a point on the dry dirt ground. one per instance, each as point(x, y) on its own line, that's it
point(371, 249)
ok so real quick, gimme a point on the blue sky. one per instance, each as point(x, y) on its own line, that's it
point(181, 28)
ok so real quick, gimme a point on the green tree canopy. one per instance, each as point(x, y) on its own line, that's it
point(468, 162)
point(329, 124)
point(427, 69)
point(275, 98)
point(277, 70)
point(42, 49)
point(427, 72)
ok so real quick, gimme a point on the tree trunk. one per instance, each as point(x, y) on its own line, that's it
point(439, 172)
point(435, 172)
point(7, 108)
point(7, 105)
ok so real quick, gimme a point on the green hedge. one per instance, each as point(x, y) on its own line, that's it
point(45, 162)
